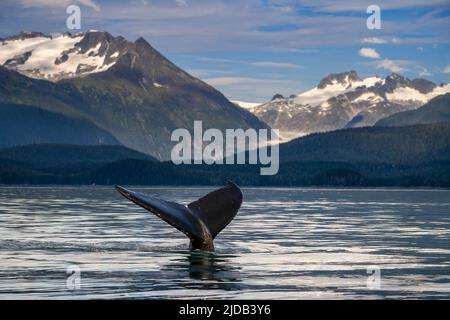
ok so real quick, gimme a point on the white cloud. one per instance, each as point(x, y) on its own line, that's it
point(423, 72)
point(394, 40)
point(253, 89)
point(181, 3)
point(401, 66)
point(237, 80)
point(360, 6)
point(447, 70)
point(369, 53)
point(219, 60)
point(271, 64)
point(203, 73)
point(374, 40)
point(205, 24)
point(59, 3)
point(395, 66)
point(261, 64)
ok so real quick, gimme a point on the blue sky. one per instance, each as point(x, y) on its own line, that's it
point(252, 49)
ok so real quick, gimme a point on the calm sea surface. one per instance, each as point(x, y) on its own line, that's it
point(284, 244)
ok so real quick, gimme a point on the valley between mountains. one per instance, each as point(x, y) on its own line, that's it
point(112, 105)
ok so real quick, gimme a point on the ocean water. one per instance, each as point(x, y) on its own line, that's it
point(90, 243)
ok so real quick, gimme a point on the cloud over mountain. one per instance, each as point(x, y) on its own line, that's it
point(369, 53)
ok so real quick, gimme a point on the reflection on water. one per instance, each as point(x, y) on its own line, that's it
point(284, 244)
point(208, 266)
point(207, 270)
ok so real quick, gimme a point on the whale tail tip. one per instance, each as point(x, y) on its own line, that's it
point(201, 220)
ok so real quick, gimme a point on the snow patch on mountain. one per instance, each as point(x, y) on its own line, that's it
point(157, 85)
point(56, 57)
point(345, 100)
point(318, 95)
point(405, 95)
point(246, 105)
point(369, 96)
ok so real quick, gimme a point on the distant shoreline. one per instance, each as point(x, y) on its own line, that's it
point(312, 188)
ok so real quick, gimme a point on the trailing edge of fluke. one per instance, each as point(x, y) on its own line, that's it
point(201, 221)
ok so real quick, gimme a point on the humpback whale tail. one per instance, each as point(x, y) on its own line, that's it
point(202, 220)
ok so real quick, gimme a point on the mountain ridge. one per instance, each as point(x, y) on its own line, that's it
point(140, 99)
point(435, 111)
point(344, 100)
point(379, 157)
point(24, 125)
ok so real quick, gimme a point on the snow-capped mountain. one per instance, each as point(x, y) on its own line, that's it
point(345, 100)
point(61, 56)
point(122, 91)
point(250, 106)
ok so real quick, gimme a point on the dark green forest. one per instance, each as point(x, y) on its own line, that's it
point(435, 111)
point(405, 157)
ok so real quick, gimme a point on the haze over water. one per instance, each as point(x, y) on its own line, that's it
point(284, 244)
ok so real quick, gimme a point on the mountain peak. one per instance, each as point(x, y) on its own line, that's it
point(343, 100)
point(119, 78)
point(278, 97)
point(67, 56)
point(344, 78)
point(395, 76)
point(142, 45)
point(141, 41)
point(23, 35)
point(395, 81)
point(423, 85)
point(62, 56)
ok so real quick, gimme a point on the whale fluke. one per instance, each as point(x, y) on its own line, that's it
point(202, 220)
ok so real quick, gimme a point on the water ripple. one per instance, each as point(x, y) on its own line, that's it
point(284, 244)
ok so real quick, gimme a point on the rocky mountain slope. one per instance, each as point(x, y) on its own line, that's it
point(435, 111)
point(57, 57)
point(376, 156)
point(344, 100)
point(25, 125)
point(127, 89)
